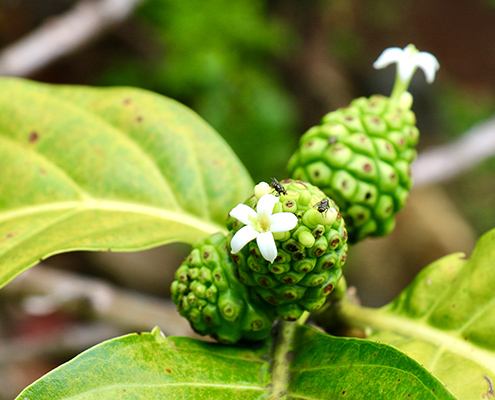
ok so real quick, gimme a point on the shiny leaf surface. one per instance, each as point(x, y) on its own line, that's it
point(148, 366)
point(106, 168)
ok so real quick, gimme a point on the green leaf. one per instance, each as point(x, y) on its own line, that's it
point(445, 320)
point(106, 168)
point(148, 366)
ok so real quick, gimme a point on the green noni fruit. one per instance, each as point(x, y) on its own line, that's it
point(360, 156)
point(307, 259)
point(208, 294)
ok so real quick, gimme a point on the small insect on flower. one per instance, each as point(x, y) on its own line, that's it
point(323, 206)
point(277, 186)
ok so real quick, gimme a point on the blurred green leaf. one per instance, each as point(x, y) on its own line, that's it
point(445, 319)
point(97, 169)
point(220, 58)
point(148, 366)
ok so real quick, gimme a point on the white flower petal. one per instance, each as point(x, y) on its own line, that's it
point(428, 63)
point(406, 68)
point(281, 222)
point(242, 237)
point(242, 212)
point(389, 56)
point(266, 204)
point(267, 246)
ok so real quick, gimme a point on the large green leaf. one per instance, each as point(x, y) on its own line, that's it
point(106, 168)
point(148, 366)
point(445, 319)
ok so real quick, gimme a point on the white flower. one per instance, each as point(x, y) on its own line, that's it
point(260, 225)
point(408, 60)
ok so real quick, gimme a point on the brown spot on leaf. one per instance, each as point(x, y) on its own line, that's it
point(33, 137)
point(367, 167)
point(139, 118)
point(168, 370)
point(127, 101)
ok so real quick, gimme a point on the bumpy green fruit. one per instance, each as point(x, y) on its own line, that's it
point(209, 295)
point(309, 257)
point(360, 156)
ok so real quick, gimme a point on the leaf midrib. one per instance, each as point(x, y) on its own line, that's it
point(109, 205)
point(379, 320)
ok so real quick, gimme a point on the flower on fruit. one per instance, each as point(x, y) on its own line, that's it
point(261, 225)
point(408, 60)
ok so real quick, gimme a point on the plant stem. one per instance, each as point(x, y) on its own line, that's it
point(356, 315)
point(281, 359)
point(303, 318)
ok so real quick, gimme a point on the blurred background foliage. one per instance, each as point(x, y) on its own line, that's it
point(262, 72)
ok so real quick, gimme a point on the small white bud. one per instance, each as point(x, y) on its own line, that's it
point(261, 189)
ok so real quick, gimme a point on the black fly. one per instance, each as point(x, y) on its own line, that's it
point(323, 205)
point(275, 185)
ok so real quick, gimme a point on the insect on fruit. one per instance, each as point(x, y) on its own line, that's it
point(275, 185)
point(323, 205)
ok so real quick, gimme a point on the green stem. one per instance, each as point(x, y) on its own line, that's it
point(357, 316)
point(303, 318)
point(281, 359)
point(400, 87)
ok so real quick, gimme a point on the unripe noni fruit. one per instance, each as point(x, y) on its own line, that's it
point(360, 156)
point(209, 295)
point(309, 257)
